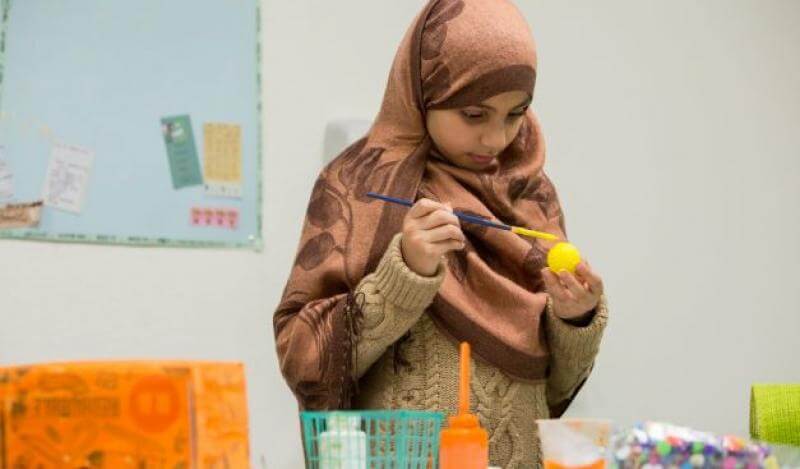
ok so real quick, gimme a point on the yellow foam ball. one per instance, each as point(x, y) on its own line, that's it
point(563, 256)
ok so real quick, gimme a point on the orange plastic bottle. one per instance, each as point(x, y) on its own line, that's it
point(464, 444)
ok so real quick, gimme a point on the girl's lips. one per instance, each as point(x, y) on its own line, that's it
point(481, 159)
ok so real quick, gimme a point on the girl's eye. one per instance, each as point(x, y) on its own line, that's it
point(472, 115)
point(517, 114)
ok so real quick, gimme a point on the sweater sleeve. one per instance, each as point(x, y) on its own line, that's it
point(393, 299)
point(573, 350)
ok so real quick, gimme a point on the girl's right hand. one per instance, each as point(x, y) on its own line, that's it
point(430, 230)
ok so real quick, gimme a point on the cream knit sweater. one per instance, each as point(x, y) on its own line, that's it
point(395, 299)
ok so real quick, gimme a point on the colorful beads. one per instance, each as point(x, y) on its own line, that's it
point(654, 445)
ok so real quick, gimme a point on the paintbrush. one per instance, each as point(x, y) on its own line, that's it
point(475, 219)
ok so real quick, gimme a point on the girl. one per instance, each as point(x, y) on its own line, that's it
point(380, 295)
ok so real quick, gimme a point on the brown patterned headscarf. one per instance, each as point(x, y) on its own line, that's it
point(457, 53)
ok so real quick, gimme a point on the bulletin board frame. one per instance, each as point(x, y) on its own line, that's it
point(252, 240)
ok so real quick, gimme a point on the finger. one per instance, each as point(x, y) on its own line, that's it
point(444, 233)
point(593, 281)
point(554, 287)
point(423, 207)
point(552, 276)
point(571, 283)
point(438, 217)
point(443, 247)
point(582, 273)
point(549, 278)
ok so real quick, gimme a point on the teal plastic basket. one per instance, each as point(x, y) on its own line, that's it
point(371, 439)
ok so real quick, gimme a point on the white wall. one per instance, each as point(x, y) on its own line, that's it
point(673, 138)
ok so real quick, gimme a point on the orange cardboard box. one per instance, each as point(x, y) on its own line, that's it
point(142, 415)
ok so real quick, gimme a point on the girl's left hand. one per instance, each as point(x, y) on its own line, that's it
point(576, 295)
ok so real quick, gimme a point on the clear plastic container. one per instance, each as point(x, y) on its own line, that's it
point(574, 443)
point(343, 445)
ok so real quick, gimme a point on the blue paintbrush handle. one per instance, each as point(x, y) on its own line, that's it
point(463, 216)
point(395, 200)
point(480, 221)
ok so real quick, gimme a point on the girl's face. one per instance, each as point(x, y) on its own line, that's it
point(473, 136)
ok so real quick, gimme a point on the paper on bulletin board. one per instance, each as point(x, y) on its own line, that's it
point(222, 159)
point(218, 217)
point(181, 151)
point(67, 179)
point(25, 215)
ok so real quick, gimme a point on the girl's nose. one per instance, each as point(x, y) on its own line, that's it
point(494, 139)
